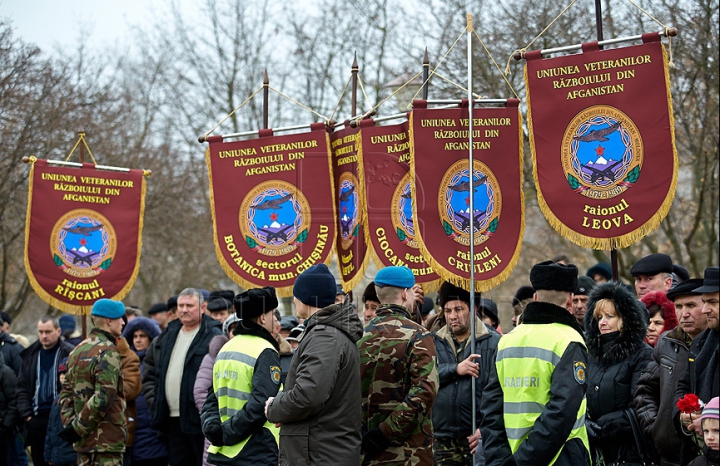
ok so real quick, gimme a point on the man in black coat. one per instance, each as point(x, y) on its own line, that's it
point(455, 436)
point(535, 399)
point(655, 392)
point(701, 376)
point(181, 350)
point(36, 395)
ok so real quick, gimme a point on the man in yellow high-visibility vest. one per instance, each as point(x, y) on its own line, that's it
point(246, 373)
point(534, 404)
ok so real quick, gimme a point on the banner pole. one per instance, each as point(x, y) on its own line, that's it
point(599, 31)
point(83, 310)
point(266, 99)
point(471, 194)
point(426, 75)
point(354, 71)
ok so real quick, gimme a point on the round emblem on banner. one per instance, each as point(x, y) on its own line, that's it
point(348, 209)
point(402, 214)
point(602, 152)
point(274, 218)
point(83, 243)
point(454, 202)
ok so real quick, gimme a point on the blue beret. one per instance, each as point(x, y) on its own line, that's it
point(108, 308)
point(399, 277)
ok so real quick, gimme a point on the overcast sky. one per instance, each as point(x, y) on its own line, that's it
point(58, 23)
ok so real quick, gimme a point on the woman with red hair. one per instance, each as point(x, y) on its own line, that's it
point(662, 315)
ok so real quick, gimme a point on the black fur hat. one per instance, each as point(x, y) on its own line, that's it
point(550, 275)
point(255, 302)
point(450, 292)
point(634, 323)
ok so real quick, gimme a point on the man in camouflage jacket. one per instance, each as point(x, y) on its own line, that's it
point(92, 405)
point(399, 378)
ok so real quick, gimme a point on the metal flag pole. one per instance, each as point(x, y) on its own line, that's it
point(599, 32)
point(83, 309)
point(471, 175)
point(354, 72)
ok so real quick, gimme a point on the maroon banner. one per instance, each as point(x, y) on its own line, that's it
point(351, 211)
point(272, 206)
point(602, 140)
point(384, 152)
point(439, 165)
point(83, 233)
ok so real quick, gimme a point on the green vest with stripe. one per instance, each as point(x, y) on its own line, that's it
point(525, 363)
point(232, 383)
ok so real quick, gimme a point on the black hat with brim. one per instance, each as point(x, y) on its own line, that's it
point(711, 282)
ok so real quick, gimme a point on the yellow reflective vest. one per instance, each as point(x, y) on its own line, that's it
point(525, 364)
point(232, 383)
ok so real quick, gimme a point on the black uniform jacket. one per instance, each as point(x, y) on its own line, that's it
point(551, 430)
point(261, 447)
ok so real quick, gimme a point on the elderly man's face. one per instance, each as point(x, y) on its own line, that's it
point(189, 311)
point(688, 309)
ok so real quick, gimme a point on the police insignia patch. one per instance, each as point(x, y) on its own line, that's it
point(275, 374)
point(579, 371)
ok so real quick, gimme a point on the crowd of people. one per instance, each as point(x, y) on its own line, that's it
point(594, 372)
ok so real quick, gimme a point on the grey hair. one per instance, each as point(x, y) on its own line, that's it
point(193, 292)
point(55, 321)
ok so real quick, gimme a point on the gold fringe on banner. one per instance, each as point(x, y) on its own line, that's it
point(362, 205)
point(47, 297)
point(481, 286)
point(627, 239)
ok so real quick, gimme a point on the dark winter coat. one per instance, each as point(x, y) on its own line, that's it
point(249, 422)
point(654, 395)
point(708, 458)
point(701, 378)
point(8, 400)
point(28, 375)
point(319, 407)
point(11, 349)
point(147, 445)
point(551, 430)
point(204, 380)
point(57, 451)
point(189, 416)
point(616, 361)
point(452, 411)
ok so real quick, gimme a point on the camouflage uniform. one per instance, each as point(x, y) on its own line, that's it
point(92, 400)
point(399, 384)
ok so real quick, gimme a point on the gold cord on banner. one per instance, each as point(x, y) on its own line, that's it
point(81, 137)
point(496, 65)
point(341, 96)
point(432, 72)
point(362, 88)
point(231, 113)
point(298, 103)
point(665, 28)
point(524, 49)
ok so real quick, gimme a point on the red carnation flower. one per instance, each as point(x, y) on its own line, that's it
point(689, 403)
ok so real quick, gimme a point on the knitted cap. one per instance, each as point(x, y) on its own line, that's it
point(315, 287)
point(711, 410)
